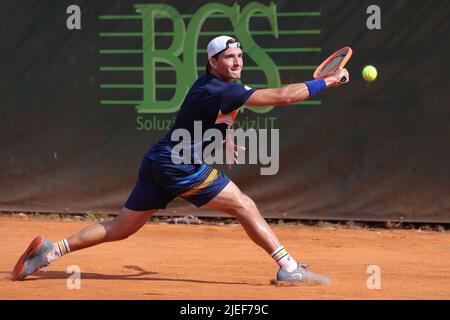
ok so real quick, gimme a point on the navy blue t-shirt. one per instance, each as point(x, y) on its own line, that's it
point(211, 101)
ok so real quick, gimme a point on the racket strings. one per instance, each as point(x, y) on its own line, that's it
point(333, 63)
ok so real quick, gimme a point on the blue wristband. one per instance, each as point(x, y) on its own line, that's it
point(316, 86)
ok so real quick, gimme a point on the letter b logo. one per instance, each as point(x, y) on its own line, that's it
point(185, 42)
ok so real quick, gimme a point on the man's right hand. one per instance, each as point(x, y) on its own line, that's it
point(334, 79)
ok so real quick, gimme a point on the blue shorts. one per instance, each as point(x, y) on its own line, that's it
point(160, 182)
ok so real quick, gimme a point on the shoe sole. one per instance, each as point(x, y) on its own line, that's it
point(310, 282)
point(32, 249)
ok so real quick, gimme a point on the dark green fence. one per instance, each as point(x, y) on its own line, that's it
point(80, 107)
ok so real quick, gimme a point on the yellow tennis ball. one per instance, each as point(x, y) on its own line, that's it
point(369, 73)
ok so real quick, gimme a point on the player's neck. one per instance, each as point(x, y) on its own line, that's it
point(221, 78)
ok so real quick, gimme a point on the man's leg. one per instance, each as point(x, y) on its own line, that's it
point(41, 251)
point(121, 227)
point(232, 201)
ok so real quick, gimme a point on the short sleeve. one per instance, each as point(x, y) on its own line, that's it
point(234, 96)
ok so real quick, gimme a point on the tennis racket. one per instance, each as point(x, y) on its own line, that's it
point(337, 60)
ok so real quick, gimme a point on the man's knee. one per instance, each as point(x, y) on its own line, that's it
point(117, 230)
point(127, 223)
point(243, 205)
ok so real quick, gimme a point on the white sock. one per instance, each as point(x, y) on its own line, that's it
point(60, 248)
point(284, 259)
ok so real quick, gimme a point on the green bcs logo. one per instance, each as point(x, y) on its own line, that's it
point(181, 55)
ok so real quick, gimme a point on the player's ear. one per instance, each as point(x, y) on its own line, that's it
point(213, 63)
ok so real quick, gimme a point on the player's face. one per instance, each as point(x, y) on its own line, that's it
point(229, 64)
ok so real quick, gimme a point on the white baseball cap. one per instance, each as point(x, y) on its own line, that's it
point(221, 43)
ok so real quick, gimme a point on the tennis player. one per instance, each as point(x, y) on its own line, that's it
point(214, 99)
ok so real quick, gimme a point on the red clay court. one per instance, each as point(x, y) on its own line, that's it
point(165, 261)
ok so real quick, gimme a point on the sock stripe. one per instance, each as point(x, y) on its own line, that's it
point(61, 247)
point(280, 254)
point(284, 259)
point(277, 251)
point(283, 256)
point(66, 245)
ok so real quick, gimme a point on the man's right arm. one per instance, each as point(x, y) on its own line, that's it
point(291, 93)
